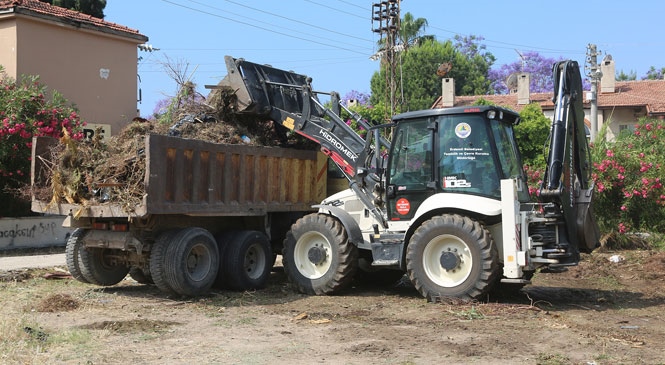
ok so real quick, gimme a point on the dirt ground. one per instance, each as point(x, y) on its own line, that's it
point(600, 312)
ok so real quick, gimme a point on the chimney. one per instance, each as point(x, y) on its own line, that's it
point(608, 80)
point(523, 91)
point(448, 93)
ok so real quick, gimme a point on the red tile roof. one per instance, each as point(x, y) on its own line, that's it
point(649, 94)
point(38, 8)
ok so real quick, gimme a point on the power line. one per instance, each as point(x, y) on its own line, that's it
point(335, 9)
point(254, 20)
point(262, 28)
point(507, 44)
point(298, 21)
point(352, 4)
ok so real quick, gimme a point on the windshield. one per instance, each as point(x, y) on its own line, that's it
point(466, 157)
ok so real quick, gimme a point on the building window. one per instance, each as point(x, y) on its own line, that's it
point(626, 128)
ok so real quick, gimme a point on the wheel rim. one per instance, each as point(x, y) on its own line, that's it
point(255, 261)
point(447, 250)
point(308, 243)
point(199, 262)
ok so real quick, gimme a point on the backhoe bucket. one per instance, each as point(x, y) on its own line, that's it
point(258, 88)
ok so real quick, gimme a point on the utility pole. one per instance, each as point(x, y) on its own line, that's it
point(594, 74)
point(386, 22)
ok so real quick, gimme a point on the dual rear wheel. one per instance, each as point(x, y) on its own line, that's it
point(186, 262)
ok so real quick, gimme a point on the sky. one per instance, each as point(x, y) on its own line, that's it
point(332, 40)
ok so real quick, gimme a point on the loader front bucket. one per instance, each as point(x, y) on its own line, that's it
point(258, 88)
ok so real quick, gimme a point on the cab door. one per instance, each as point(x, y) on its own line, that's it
point(410, 169)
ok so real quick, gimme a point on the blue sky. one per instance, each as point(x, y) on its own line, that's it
point(332, 40)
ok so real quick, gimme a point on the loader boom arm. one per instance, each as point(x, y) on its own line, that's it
point(288, 99)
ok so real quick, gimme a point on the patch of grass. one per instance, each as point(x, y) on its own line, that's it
point(21, 340)
point(609, 283)
point(470, 314)
point(657, 241)
point(552, 359)
point(601, 357)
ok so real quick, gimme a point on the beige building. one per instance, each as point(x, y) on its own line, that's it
point(92, 62)
point(620, 103)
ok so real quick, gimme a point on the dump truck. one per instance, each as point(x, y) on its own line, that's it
point(211, 215)
point(444, 200)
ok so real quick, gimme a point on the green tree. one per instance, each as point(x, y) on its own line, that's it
point(91, 7)
point(411, 30)
point(622, 76)
point(531, 135)
point(420, 83)
point(654, 74)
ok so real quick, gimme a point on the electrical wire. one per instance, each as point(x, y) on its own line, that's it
point(262, 28)
point(298, 21)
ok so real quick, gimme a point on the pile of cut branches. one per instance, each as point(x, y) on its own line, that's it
point(113, 170)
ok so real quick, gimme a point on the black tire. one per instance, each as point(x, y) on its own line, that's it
point(223, 240)
point(157, 255)
point(191, 262)
point(140, 275)
point(98, 269)
point(247, 261)
point(317, 255)
point(74, 245)
point(452, 256)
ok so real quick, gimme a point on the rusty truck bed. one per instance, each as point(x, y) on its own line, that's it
point(193, 177)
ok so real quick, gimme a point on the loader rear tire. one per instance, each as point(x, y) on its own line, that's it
point(74, 245)
point(247, 261)
point(317, 255)
point(191, 262)
point(452, 256)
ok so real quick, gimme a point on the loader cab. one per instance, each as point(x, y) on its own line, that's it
point(462, 150)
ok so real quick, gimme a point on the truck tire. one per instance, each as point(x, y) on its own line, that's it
point(317, 255)
point(140, 275)
point(74, 245)
point(157, 255)
point(452, 256)
point(191, 262)
point(97, 267)
point(247, 261)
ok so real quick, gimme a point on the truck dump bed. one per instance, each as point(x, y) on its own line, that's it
point(193, 177)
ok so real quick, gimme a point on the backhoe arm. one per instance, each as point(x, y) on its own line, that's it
point(567, 184)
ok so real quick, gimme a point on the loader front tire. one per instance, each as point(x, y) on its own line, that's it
point(317, 255)
point(452, 256)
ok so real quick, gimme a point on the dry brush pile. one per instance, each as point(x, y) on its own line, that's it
point(113, 170)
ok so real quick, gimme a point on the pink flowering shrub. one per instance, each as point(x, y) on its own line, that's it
point(25, 111)
point(629, 177)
